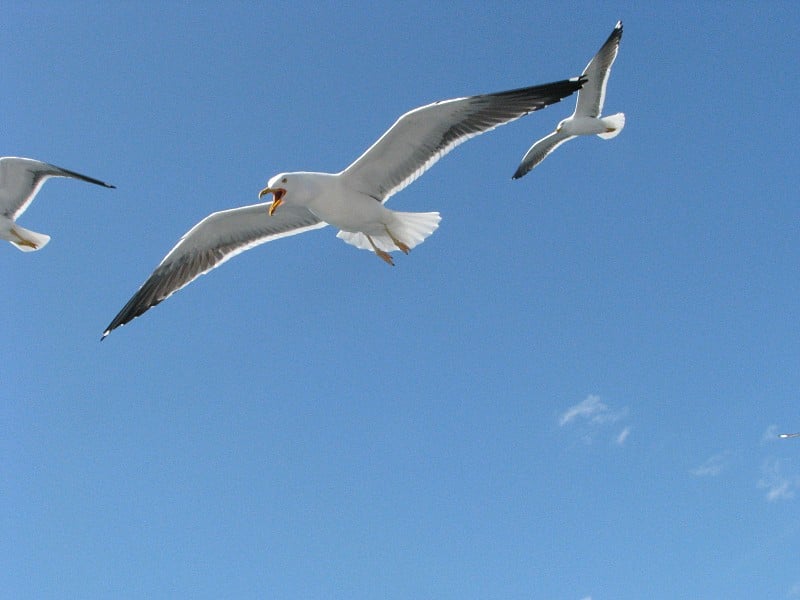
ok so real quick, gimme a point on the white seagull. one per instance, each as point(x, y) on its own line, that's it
point(586, 119)
point(20, 180)
point(352, 200)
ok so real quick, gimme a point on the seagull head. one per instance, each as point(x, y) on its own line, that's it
point(560, 125)
point(275, 187)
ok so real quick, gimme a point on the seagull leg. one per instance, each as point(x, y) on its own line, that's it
point(384, 256)
point(22, 241)
point(400, 245)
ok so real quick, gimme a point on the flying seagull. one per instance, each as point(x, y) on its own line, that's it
point(352, 200)
point(20, 180)
point(788, 435)
point(586, 119)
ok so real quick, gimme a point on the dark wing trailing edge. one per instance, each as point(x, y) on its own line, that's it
point(214, 240)
point(67, 173)
point(539, 151)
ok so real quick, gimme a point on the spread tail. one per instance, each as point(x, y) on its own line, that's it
point(407, 227)
point(27, 240)
point(615, 123)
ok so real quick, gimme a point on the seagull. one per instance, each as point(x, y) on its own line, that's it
point(352, 200)
point(586, 119)
point(788, 435)
point(20, 180)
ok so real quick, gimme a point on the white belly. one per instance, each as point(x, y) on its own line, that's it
point(584, 126)
point(352, 212)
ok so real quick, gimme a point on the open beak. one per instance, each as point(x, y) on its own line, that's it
point(277, 193)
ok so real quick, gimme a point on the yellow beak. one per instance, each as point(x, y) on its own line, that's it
point(278, 193)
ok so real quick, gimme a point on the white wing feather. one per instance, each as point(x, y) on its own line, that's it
point(422, 136)
point(21, 179)
point(213, 241)
point(593, 94)
point(539, 151)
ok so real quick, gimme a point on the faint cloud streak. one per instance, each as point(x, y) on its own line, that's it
point(779, 486)
point(589, 408)
point(711, 467)
point(770, 435)
point(594, 414)
point(593, 410)
point(622, 436)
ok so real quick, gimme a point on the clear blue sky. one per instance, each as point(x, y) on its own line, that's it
point(571, 390)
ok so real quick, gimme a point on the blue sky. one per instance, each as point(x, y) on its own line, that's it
point(571, 390)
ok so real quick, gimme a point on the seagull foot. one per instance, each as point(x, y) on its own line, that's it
point(384, 256)
point(400, 245)
point(24, 241)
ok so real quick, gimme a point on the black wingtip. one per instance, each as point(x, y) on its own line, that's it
point(616, 33)
point(576, 83)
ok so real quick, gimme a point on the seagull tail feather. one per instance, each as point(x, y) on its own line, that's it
point(411, 228)
point(615, 123)
point(30, 240)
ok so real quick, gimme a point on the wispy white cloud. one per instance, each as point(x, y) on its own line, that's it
point(593, 410)
point(712, 466)
point(590, 408)
point(595, 415)
point(622, 436)
point(775, 480)
point(794, 591)
point(771, 434)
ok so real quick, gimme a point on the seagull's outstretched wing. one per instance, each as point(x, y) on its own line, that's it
point(539, 151)
point(217, 238)
point(422, 136)
point(21, 178)
point(593, 94)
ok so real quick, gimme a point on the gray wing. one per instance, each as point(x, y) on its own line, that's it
point(593, 94)
point(214, 240)
point(422, 136)
point(539, 151)
point(21, 178)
